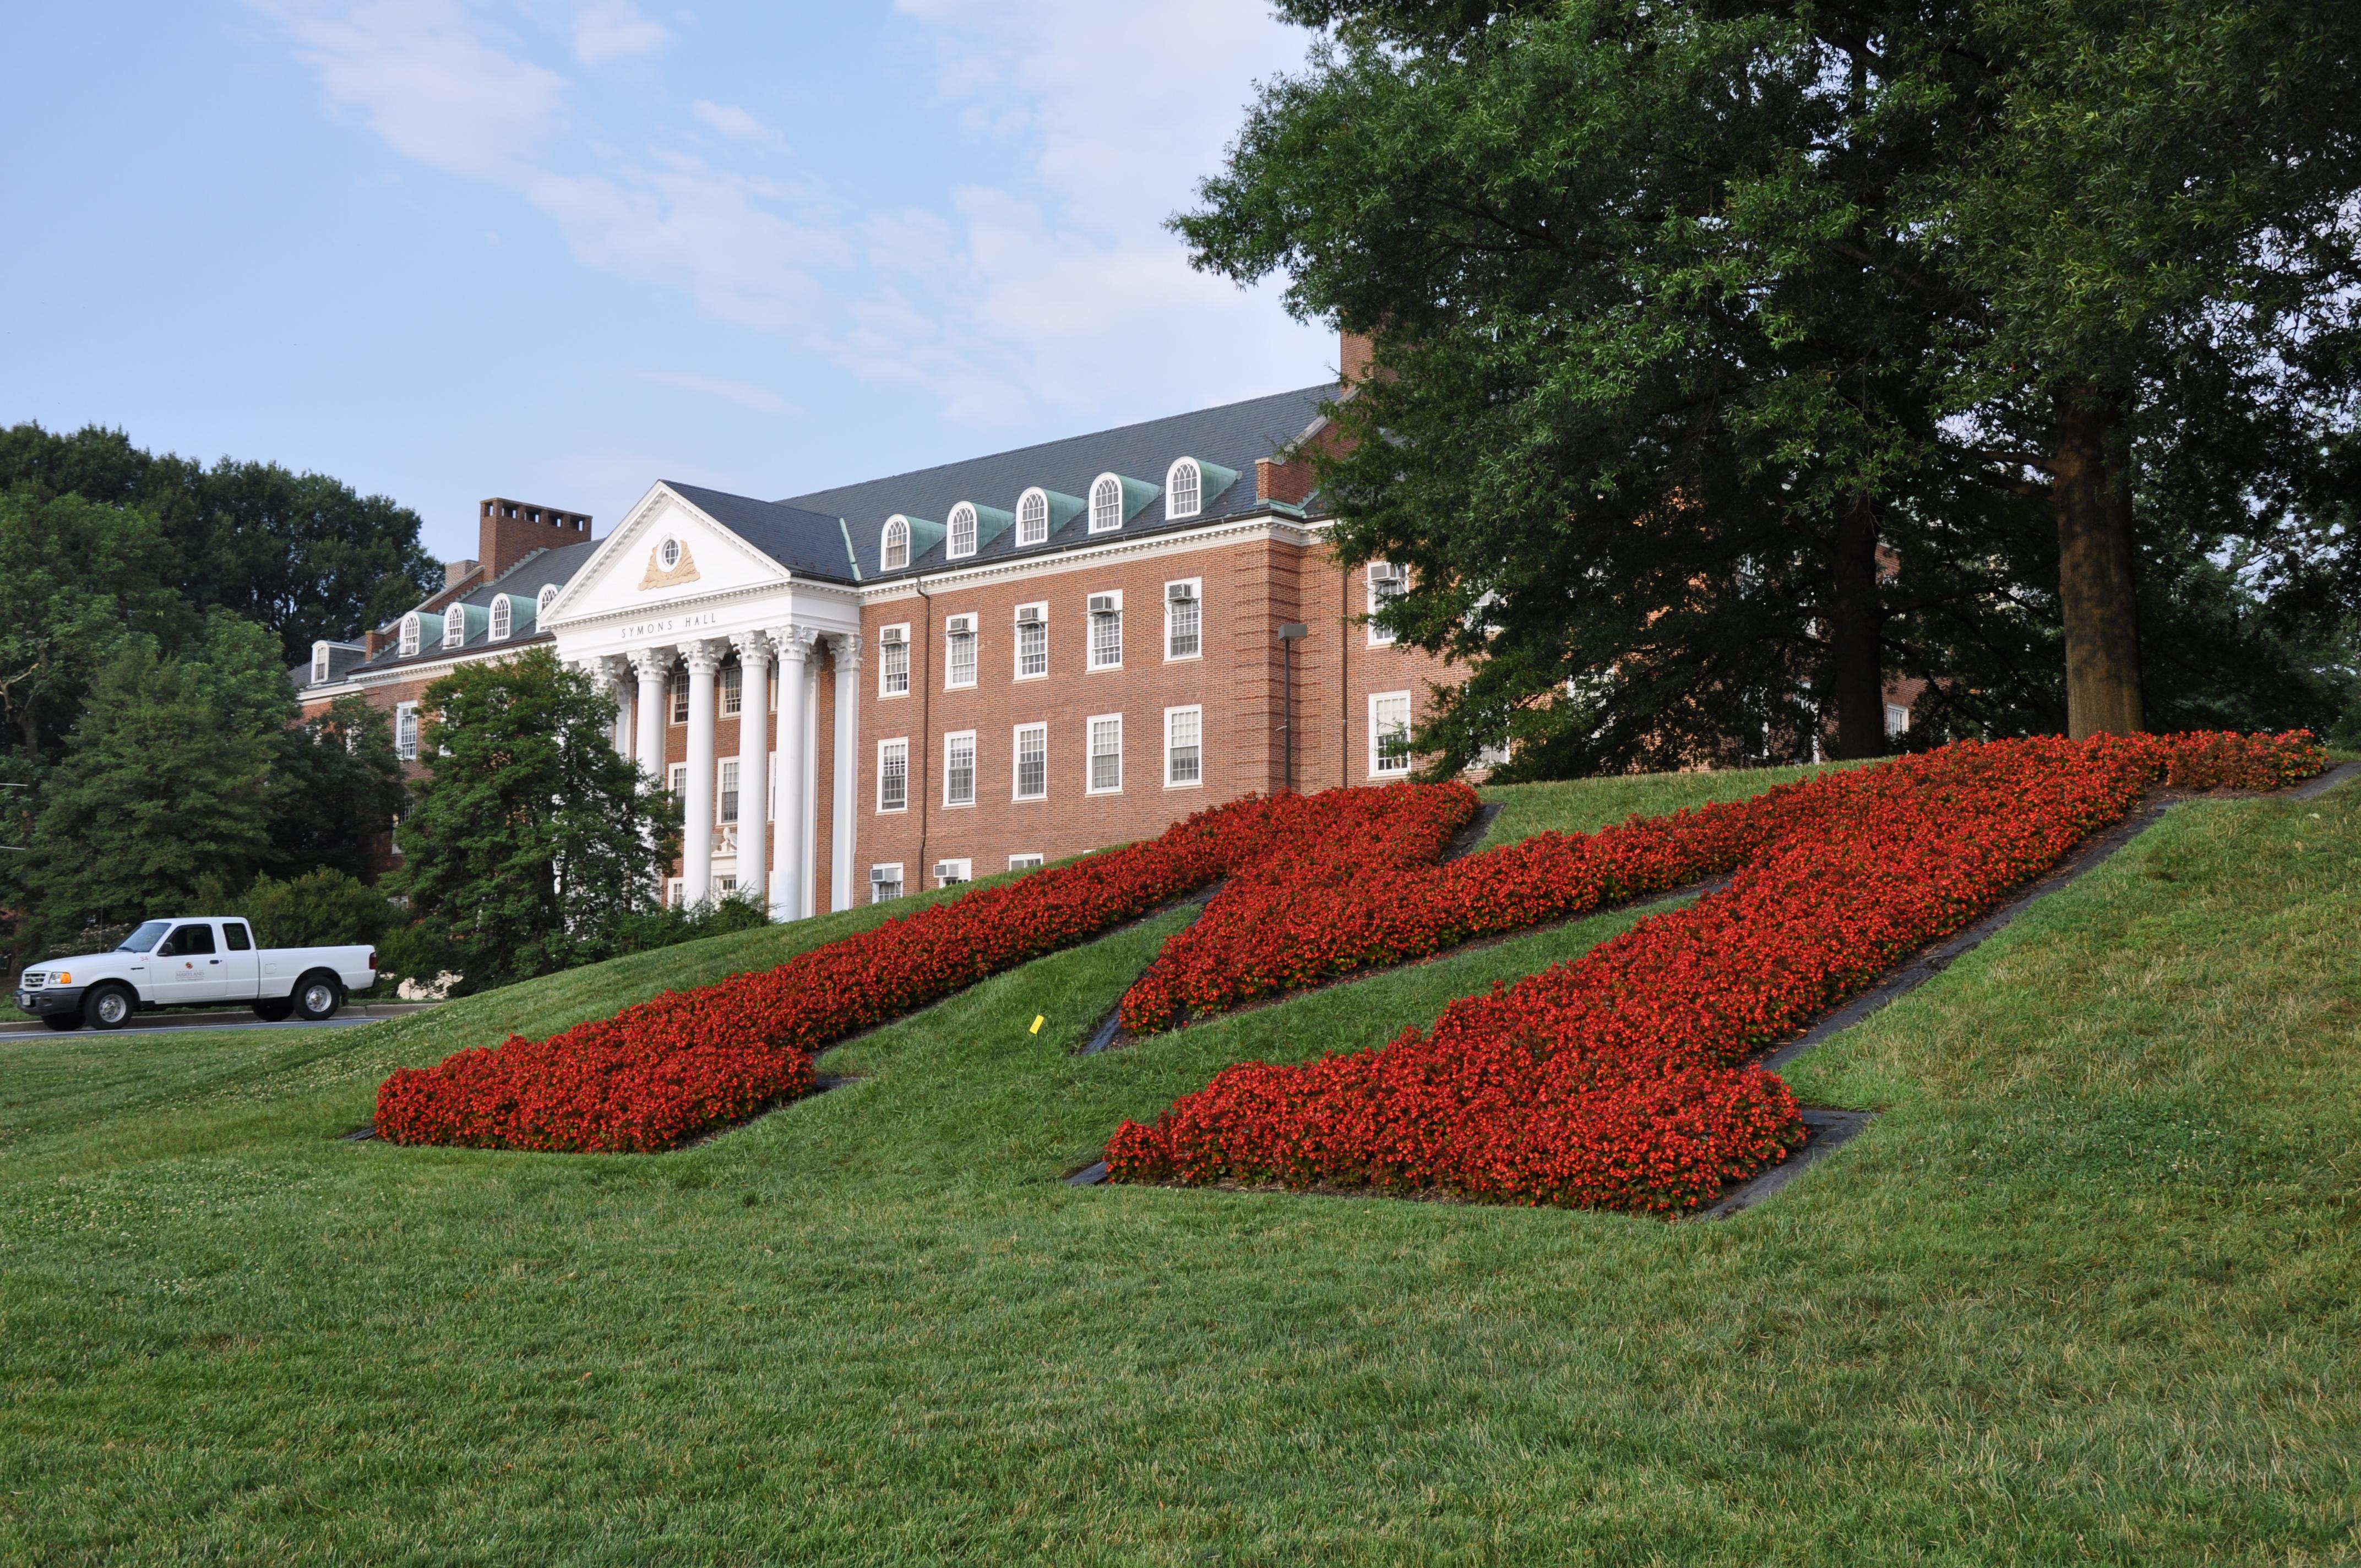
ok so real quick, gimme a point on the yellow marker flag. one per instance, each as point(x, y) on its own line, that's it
point(1038, 1019)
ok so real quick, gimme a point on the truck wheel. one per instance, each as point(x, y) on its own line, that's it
point(317, 996)
point(63, 1020)
point(275, 1009)
point(109, 1006)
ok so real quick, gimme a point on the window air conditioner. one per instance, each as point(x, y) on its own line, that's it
point(961, 625)
point(1103, 604)
point(1030, 616)
point(1180, 593)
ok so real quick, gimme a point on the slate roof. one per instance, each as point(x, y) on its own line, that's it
point(525, 579)
point(1232, 437)
point(808, 544)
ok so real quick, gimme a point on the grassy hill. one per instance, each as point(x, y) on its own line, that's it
point(2085, 1291)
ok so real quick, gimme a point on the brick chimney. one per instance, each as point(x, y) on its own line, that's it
point(1355, 352)
point(508, 531)
point(1277, 481)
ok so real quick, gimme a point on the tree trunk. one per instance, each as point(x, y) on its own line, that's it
point(1856, 675)
point(2090, 482)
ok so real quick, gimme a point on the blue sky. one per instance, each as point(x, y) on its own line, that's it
point(557, 249)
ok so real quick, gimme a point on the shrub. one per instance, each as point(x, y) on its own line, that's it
point(320, 908)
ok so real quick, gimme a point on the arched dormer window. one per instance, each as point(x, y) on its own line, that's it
point(454, 627)
point(410, 633)
point(1106, 503)
point(503, 618)
point(895, 553)
point(1033, 516)
point(547, 596)
point(963, 527)
point(1184, 489)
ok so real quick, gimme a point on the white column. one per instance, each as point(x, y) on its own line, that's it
point(787, 873)
point(807, 792)
point(653, 666)
point(696, 800)
point(844, 819)
point(753, 760)
point(614, 674)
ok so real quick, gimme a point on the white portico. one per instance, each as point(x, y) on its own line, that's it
point(702, 611)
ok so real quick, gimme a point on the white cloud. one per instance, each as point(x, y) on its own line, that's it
point(736, 124)
point(1054, 288)
point(612, 30)
point(761, 400)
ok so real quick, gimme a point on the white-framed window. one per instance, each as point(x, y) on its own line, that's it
point(1031, 780)
point(1897, 721)
point(959, 768)
point(675, 891)
point(1032, 641)
point(1185, 748)
point(1107, 630)
point(1106, 503)
point(1388, 583)
point(893, 661)
point(503, 618)
point(726, 884)
point(454, 627)
point(893, 774)
point(319, 664)
point(1033, 517)
point(961, 539)
point(893, 546)
point(667, 553)
point(405, 732)
point(410, 635)
point(542, 601)
point(1106, 754)
point(676, 689)
point(1023, 862)
point(958, 652)
point(1184, 618)
point(1388, 734)
point(1184, 489)
point(726, 810)
point(733, 690)
point(950, 873)
point(885, 881)
point(676, 778)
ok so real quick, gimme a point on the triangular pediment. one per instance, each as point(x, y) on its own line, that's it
point(667, 552)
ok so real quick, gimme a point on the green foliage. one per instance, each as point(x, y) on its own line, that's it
point(75, 577)
point(165, 781)
point(1685, 313)
point(320, 908)
point(336, 788)
point(301, 553)
point(671, 925)
point(531, 844)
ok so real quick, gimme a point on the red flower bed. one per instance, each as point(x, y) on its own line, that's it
point(687, 1061)
point(1618, 1080)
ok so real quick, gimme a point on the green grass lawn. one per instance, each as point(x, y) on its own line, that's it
point(2084, 1293)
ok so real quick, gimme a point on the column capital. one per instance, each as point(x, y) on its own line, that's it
point(845, 646)
point(751, 645)
point(613, 668)
point(705, 654)
point(793, 642)
point(651, 664)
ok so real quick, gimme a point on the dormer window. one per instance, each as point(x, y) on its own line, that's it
point(454, 627)
point(1033, 517)
point(963, 527)
point(319, 664)
point(542, 601)
point(895, 554)
point(1106, 504)
point(503, 618)
point(410, 635)
point(1184, 490)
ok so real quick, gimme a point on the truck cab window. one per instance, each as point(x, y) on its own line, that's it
point(188, 939)
point(234, 933)
point(145, 939)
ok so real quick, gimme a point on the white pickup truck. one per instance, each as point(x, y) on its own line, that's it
point(192, 963)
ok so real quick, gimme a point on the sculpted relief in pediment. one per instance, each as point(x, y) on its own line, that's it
point(670, 564)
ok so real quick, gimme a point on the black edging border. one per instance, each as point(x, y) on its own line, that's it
point(1827, 1128)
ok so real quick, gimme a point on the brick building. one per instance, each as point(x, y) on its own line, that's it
point(951, 672)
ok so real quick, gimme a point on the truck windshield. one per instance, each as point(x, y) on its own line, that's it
point(145, 939)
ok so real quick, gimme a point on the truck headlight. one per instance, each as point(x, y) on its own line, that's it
point(61, 978)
